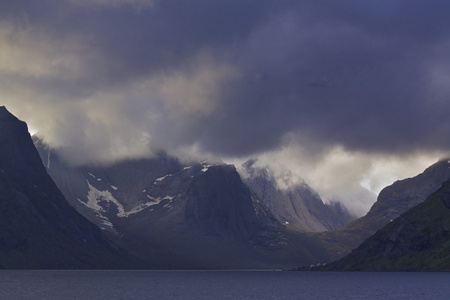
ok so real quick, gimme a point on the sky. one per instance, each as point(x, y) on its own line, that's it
point(348, 95)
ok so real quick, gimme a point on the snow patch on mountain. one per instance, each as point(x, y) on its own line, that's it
point(105, 221)
point(48, 159)
point(159, 199)
point(143, 206)
point(137, 209)
point(160, 179)
point(205, 165)
point(95, 197)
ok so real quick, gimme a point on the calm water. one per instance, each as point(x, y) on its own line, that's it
point(221, 285)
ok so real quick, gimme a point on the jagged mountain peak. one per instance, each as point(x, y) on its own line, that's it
point(17, 148)
point(293, 202)
point(4, 112)
point(11, 124)
point(284, 181)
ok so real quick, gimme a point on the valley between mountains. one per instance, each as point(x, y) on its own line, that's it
point(163, 213)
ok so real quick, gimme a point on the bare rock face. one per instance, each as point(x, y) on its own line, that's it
point(219, 202)
point(298, 204)
point(401, 196)
point(38, 228)
point(405, 194)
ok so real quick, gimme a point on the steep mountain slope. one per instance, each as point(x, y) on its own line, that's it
point(114, 191)
point(295, 205)
point(391, 203)
point(38, 228)
point(180, 215)
point(418, 240)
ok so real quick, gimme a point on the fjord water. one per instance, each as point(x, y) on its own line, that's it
point(221, 285)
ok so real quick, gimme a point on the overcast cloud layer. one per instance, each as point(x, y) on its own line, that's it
point(349, 95)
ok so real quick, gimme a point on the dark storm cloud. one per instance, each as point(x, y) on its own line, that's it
point(144, 41)
point(366, 75)
point(347, 95)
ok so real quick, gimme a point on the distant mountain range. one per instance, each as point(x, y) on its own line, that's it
point(180, 215)
point(169, 214)
point(194, 215)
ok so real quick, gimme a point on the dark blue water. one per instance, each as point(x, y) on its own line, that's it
point(221, 285)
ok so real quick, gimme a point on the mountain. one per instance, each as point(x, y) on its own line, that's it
point(202, 215)
point(298, 204)
point(38, 228)
point(179, 215)
point(392, 201)
point(213, 198)
point(171, 214)
point(418, 240)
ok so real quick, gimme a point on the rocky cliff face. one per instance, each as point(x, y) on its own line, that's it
point(405, 194)
point(185, 215)
point(219, 202)
point(418, 240)
point(297, 204)
point(38, 228)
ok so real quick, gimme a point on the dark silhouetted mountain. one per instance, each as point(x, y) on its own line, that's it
point(217, 201)
point(38, 228)
point(418, 240)
point(296, 204)
point(391, 203)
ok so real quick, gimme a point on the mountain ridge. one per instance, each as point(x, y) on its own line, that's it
point(151, 206)
point(392, 201)
point(38, 228)
point(418, 240)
